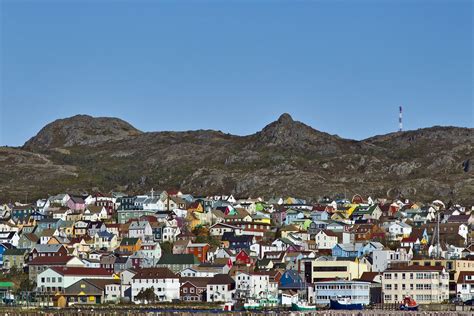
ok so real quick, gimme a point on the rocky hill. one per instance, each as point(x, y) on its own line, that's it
point(286, 157)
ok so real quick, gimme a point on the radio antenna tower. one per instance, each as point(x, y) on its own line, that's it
point(400, 124)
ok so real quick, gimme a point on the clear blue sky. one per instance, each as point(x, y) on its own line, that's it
point(340, 66)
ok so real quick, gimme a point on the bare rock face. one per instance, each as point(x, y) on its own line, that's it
point(82, 130)
point(286, 157)
point(290, 135)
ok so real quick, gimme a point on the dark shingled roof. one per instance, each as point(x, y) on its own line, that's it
point(221, 279)
point(155, 273)
point(178, 259)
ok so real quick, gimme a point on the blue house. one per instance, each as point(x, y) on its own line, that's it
point(238, 242)
point(4, 247)
point(319, 216)
point(291, 280)
point(21, 213)
point(293, 215)
point(347, 250)
point(48, 223)
point(369, 247)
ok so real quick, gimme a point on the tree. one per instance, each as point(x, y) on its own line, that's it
point(147, 295)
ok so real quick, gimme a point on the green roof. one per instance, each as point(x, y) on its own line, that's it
point(6, 284)
point(179, 259)
point(129, 242)
point(15, 252)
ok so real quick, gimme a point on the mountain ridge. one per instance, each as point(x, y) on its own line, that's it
point(286, 157)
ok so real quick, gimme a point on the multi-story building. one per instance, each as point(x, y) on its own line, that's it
point(453, 267)
point(256, 285)
point(55, 280)
point(357, 291)
point(220, 288)
point(330, 268)
point(426, 285)
point(164, 283)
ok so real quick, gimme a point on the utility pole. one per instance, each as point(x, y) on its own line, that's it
point(437, 237)
point(400, 124)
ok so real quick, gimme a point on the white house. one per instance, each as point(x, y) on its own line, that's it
point(384, 258)
point(255, 285)
point(261, 248)
point(170, 233)
point(10, 237)
point(152, 251)
point(95, 213)
point(220, 288)
point(465, 285)
point(112, 292)
point(325, 239)
point(164, 283)
point(126, 277)
point(140, 229)
point(398, 230)
point(58, 278)
point(220, 228)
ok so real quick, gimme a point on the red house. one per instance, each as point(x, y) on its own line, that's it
point(48, 251)
point(243, 258)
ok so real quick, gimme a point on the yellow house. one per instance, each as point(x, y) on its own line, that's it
point(195, 207)
point(192, 220)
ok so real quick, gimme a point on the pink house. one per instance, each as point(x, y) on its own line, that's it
point(76, 203)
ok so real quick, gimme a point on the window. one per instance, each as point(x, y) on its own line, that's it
point(388, 276)
point(185, 290)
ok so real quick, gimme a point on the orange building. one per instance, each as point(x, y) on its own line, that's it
point(199, 250)
point(130, 245)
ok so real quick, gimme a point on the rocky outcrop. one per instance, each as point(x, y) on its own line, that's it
point(81, 130)
point(286, 157)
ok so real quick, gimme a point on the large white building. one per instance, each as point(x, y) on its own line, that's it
point(56, 279)
point(255, 285)
point(384, 258)
point(357, 291)
point(164, 282)
point(425, 284)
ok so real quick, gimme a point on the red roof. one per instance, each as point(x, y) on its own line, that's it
point(53, 260)
point(462, 277)
point(409, 239)
point(82, 271)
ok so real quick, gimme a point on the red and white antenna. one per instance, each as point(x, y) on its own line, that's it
point(400, 124)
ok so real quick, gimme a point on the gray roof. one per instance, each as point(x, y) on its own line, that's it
point(48, 248)
point(351, 246)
